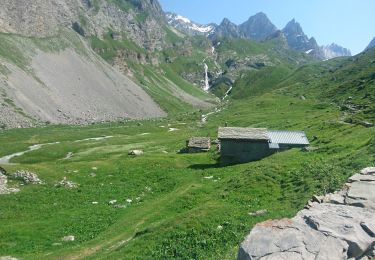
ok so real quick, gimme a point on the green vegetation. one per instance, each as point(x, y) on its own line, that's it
point(258, 82)
point(175, 211)
point(108, 47)
point(11, 52)
point(187, 206)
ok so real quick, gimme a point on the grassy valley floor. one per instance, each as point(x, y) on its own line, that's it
point(169, 205)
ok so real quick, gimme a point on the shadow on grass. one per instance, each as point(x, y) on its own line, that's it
point(211, 166)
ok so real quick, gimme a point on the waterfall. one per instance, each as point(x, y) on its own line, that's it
point(206, 83)
point(227, 93)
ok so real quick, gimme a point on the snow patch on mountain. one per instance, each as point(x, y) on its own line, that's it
point(187, 26)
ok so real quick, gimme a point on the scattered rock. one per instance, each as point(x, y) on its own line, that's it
point(68, 156)
point(310, 149)
point(366, 124)
point(95, 203)
point(27, 177)
point(117, 206)
point(318, 199)
point(112, 202)
point(3, 171)
point(220, 227)
point(336, 226)
point(92, 174)
point(129, 200)
point(258, 213)
point(7, 258)
point(135, 152)
point(208, 177)
point(68, 239)
point(66, 184)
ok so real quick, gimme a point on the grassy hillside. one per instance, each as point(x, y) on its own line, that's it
point(182, 205)
point(161, 80)
point(348, 82)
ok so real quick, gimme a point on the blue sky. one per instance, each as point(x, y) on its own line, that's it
point(349, 23)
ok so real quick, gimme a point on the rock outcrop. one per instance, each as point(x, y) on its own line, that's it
point(371, 44)
point(142, 21)
point(27, 177)
point(336, 226)
point(4, 183)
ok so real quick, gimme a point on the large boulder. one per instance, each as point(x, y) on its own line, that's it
point(337, 226)
point(27, 177)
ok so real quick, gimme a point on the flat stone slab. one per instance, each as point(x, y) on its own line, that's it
point(340, 225)
point(362, 190)
point(361, 177)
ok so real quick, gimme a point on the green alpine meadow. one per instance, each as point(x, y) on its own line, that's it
point(98, 102)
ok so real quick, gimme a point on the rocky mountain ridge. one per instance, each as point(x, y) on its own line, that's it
point(186, 26)
point(259, 28)
point(333, 50)
point(334, 226)
point(371, 44)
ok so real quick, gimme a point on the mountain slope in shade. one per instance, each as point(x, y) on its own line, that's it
point(333, 50)
point(258, 27)
point(371, 45)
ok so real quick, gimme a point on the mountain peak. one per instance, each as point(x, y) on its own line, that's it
point(228, 29)
point(293, 27)
point(258, 27)
point(371, 45)
point(334, 50)
point(226, 21)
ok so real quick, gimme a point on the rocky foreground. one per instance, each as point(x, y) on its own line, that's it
point(336, 226)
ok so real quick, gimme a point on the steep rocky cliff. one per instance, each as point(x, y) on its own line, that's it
point(142, 21)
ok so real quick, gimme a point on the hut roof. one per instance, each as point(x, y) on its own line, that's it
point(200, 142)
point(241, 133)
point(288, 137)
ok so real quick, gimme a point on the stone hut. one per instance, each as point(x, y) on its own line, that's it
point(198, 144)
point(240, 145)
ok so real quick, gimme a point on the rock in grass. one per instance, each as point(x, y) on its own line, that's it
point(68, 238)
point(27, 177)
point(66, 184)
point(4, 185)
point(7, 258)
point(135, 152)
point(112, 202)
point(258, 213)
point(3, 171)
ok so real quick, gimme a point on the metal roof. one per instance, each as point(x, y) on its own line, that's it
point(242, 133)
point(288, 137)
